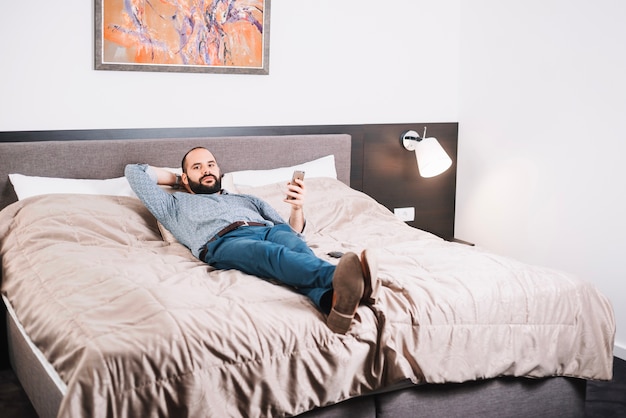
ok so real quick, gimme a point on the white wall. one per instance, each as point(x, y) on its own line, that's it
point(537, 87)
point(542, 123)
point(331, 62)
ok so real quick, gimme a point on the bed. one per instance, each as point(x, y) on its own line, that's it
point(107, 315)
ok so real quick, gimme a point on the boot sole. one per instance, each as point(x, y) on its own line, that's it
point(370, 276)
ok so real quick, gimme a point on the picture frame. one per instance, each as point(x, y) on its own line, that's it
point(220, 36)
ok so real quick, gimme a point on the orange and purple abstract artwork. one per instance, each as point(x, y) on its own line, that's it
point(212, 33)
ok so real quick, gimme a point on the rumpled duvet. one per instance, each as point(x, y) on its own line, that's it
point(136, 326)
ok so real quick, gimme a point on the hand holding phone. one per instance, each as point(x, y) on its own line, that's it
point(297, 174)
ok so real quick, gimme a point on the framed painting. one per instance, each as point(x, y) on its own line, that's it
point(198, 36)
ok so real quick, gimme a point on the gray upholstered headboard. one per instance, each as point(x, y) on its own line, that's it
point(100, 159)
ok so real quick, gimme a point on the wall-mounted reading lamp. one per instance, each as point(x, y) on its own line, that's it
point(432, 159)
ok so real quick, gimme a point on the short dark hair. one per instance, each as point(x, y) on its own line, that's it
point(182, 163)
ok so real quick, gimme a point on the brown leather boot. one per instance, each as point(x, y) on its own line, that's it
point(348, 286)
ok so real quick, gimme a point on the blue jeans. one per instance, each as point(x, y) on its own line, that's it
point(274, 253)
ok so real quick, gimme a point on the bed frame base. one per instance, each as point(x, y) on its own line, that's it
point(42, 390)
point(505, 397)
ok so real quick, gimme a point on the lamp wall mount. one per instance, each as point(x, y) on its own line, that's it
point(411, 138)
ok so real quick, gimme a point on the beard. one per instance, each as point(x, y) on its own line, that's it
point(201, 188)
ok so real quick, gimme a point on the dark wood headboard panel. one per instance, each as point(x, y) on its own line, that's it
point(381, 167)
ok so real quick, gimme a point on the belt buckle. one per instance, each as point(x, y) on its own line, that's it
point(244, 223)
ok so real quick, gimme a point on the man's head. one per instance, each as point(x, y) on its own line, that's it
point(201, 174)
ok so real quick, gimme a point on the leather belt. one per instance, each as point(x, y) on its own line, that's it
point(225, 231)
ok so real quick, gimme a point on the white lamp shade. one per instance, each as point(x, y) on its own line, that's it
point(432, 159)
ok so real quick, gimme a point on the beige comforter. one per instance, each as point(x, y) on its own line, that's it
point(136, 326)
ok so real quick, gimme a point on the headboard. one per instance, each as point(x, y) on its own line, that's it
point(380, 166)
point(100, 159)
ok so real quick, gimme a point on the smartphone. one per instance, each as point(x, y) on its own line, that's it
point(297, 174)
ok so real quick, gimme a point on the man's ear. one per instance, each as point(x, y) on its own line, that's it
point(185, 182)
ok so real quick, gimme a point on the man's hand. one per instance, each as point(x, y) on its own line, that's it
point(295, 197)
point(164, 177)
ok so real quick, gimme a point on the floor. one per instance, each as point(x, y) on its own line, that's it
point(13, 401)
point(604, 399)
point(608, 399)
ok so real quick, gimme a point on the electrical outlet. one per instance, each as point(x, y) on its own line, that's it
point(405, 214)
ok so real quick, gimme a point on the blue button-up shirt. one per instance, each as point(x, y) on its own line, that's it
point(195, 218)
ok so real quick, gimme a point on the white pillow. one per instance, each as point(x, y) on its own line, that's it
point(228, 184)
point(28, 186)
point(322, 167)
